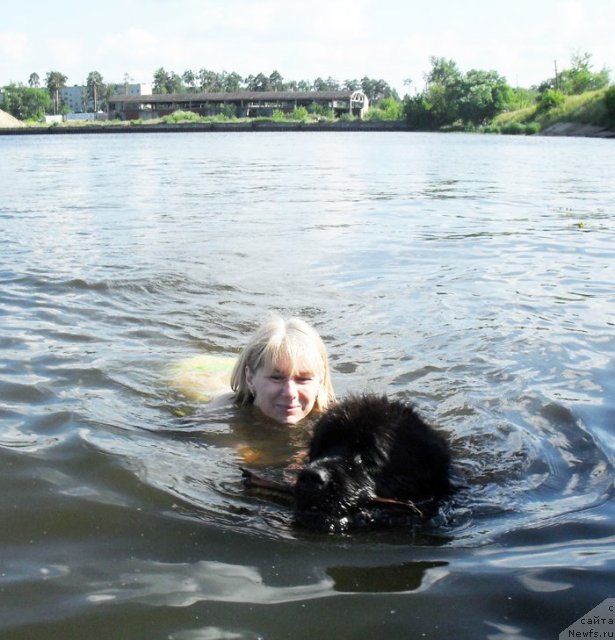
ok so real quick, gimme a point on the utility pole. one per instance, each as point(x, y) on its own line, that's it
point(556, 76)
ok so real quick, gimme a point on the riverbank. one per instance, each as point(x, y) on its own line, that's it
point(557, 129)
point(577, 129)
point(241, 126)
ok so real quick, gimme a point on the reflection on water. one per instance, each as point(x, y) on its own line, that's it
point(398, 578)
point(471, 275)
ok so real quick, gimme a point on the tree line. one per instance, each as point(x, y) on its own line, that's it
point(208, 81)
point(32, 102)
point(449, 96)
point(476, 97)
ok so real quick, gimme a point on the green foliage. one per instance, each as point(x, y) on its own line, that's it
point(228, 111)
point(587, 108)
point(320, 111)
point(517, 128)
point(578, 78)
point(299, 113)
point(167, 82)
point(95, 88)
point(386, 109)
point(377, 90)
point(54, 81)
point(417, 112)
point(26, 103)
point(549, 100)
point(278, 115)
point(609, 101)
point(521, 98)
point(450, 96)
point(182, 116)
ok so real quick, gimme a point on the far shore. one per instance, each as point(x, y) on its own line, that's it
point(558, 129)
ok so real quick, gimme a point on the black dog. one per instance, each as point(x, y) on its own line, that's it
point(372, 460)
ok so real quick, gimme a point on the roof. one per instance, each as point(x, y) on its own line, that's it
point(234, 97)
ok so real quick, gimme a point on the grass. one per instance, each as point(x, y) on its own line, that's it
point(586, 108)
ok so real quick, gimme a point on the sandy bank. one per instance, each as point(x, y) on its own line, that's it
point(7, 121)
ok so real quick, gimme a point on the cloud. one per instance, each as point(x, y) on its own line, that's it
point(13, 46)
point(141, 44)
point(571, 18)
point(64, 53)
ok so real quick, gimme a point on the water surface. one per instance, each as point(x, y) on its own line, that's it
point(472, 275)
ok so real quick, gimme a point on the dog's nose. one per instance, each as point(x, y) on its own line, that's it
point(312, 480)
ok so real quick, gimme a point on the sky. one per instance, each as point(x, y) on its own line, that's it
point(391, 40)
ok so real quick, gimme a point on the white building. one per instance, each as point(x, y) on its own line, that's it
point(76, 98)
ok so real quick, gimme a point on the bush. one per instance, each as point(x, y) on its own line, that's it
point(532, 128)
point(609, 101)
point(299, 113)
point(181, 116)
point(519, 129)
point(229, 111)
point(549, 100)
point(375, 115)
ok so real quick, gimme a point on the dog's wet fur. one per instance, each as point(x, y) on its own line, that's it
point(372, 461)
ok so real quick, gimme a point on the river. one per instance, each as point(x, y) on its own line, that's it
point(472, 275)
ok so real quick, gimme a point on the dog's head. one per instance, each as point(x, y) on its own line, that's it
point(330, 491)
point(366, 446)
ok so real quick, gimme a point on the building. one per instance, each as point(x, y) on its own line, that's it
point(77, 100)
point(74, 98)
point(243, 104)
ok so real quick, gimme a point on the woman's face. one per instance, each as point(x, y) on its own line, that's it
point(280, 395)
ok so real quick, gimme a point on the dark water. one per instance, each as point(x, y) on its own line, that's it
point(473, 275)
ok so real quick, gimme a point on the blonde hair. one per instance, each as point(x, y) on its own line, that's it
point(292, 340)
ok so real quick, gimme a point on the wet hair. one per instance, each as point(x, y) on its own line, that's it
point(290, 340)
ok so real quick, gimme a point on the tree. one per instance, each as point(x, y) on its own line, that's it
point(167, 82)
point(208, 80)
point(160, 81)
point(443, 72)
point(330, 84)
point(189, 79)
point(259, 82)
point(443, 90)
point(276, 82)
point(351, 85)
point(95, 87)
point(377, 90)
point(484, 94)
point(232, 82)
point(609, 101)
point(26, 103)
point(578, 78)
point(127, 81)
point(34, 81)
point(54, 82)
point(451, 95)
point(175, 83)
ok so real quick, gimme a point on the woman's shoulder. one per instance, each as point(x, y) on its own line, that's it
point(222, 400)
point(203, 378)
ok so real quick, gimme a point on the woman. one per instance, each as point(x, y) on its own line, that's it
point(283, 371)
